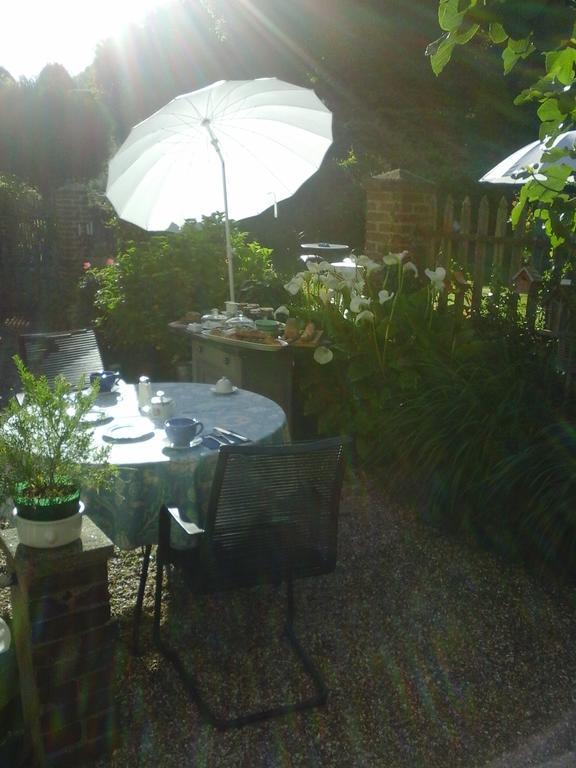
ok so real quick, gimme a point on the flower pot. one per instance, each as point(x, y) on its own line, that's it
point(46, 510)
point(42, 534)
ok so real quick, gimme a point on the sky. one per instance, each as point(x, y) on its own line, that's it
point(34, 33)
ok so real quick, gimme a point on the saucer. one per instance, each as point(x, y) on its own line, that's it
point(216, 392)
point(182, 448)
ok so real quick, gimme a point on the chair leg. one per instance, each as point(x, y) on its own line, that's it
point(207, 713)
point(140, 599)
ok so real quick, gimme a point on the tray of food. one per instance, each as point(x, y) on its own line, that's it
point(247, 337)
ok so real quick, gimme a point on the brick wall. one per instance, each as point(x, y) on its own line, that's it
point(66, 647)
point(400, 215)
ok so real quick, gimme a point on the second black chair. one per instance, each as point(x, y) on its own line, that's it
point(73, 354)
point(272, 518)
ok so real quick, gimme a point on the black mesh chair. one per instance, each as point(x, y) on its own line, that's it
point(272, 518)
point(72, 354)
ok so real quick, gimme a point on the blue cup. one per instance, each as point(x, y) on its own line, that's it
point(107, 379)
point(181, 430)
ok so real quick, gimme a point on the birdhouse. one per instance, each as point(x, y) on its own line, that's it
point(526, 280)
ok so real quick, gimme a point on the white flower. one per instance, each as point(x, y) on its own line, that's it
point(384, 296)
point(282, 311)
point(323, 355)
point(325, 266)
point(436, 277)
point(365, 315)
point(295, 284)
point(330, 281)
point(357, 303)
point(393, 259)
point(313, 266)
point(355, 284)
point(410, 267)
point(368, 264)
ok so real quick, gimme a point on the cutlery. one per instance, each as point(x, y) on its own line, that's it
point(234, 435)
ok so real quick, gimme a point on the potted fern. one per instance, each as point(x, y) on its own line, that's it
point(47, 454)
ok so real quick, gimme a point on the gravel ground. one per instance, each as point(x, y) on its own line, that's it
point(435, 655)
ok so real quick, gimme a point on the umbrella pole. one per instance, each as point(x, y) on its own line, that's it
point(229, 251)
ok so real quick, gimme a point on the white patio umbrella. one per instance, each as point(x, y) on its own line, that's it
point(508, 171)
point(239, 146)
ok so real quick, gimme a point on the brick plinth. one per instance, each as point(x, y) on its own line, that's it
point(66, 646)
point(400, 215)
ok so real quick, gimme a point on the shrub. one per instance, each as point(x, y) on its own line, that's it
point(158, 280)
point(471, 406)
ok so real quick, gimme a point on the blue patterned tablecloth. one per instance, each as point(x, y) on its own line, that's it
point(150, 473)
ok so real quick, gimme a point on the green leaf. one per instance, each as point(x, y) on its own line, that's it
point(497, 33)
point(449, 15)
point(561, 64)
point(463, 37)
point(514, 51)
point(548, 110)
point(442, 56)
point(519, 207)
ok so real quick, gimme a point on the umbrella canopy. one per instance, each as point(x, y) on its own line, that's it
point(509, 170)
point(237, 146)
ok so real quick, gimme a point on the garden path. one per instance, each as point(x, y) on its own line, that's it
point(437, 655)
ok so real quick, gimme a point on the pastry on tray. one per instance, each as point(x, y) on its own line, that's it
point(247, 334)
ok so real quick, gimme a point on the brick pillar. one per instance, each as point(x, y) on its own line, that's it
point(65, 645)
point(400, 215)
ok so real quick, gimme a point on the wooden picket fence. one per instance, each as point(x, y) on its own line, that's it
point(477, 238)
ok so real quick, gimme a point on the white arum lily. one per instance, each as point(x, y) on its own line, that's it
point(313, 267)
point(357, 303)
point(354, 284)
point(294, 285)
point(365, 315)
point(393, 259)
point(325, 266)
point(282, 311)
point(384, 296)
point(410, 267)
point(323, 355)
point(436, 277)
point(330, 281)
point(368, 264)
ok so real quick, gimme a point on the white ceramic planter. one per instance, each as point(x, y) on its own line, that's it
point(54, 533)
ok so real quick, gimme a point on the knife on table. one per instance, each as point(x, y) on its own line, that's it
point(233, 435)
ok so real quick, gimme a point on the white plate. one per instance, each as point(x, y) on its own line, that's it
point(216, 392)
point(129, 432)
point(95, 416)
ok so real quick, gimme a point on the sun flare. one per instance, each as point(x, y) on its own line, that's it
point(34, 32)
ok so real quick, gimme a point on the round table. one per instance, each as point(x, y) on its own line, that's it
point(150, 473)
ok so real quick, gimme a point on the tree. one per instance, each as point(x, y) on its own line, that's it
point(51, 132)
point(539, 38)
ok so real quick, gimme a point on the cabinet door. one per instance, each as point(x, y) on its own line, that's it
point(210, 362)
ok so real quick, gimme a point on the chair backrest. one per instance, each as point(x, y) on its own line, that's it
point(69, 353)
point(274, 510)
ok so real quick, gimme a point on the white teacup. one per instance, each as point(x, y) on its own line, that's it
point(223, 386)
